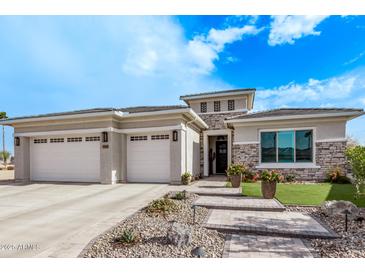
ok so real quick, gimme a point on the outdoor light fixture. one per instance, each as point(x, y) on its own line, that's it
point(17, 141)
point(174, 135)
point(105, 137)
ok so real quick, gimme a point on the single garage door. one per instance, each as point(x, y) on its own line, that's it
point(65, 158)
point(148, 158)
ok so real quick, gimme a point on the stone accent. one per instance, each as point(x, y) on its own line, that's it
point(328, 155)
point(216, 120)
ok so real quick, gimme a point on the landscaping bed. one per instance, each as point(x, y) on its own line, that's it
point(351, 244)
point(151, 226)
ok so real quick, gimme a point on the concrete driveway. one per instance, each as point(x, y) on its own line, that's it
point(59, 220)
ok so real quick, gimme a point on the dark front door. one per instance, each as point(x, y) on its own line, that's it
point(221, 156)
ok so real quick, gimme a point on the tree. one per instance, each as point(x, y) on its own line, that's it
point(4, 156)
point(3, 116)
point(356, 157)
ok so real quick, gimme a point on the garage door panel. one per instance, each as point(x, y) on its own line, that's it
point(148, 160)
point(68, 161)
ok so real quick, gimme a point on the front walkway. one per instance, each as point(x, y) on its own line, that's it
point(255, 227)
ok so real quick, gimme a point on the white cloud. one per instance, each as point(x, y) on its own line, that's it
point(285, 29)
point(327, 92)
point(355, 59)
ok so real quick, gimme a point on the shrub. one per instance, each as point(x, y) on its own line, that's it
point(289, 178)
point(235, 169)
point(128, 237)
point(336, 176)
point(163, 205)
point(186, 178)
point(181, 195)
point(271, 176)
point(10, 167)
point(356, 157)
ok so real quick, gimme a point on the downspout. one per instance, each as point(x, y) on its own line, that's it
point(186, 144)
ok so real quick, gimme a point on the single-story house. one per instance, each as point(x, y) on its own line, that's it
point(160, 143)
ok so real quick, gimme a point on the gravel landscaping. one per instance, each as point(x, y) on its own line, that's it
point(152, 228)
point(351, 244)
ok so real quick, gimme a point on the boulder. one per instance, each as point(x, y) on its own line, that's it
point(338, 208)
point(179, 234)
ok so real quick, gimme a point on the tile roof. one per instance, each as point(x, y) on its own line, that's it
point(137, 109)
point(217, 92)
point(294, 111)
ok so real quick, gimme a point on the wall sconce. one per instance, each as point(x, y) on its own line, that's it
point(174, 136)
point(105, 137)
point(17, 141)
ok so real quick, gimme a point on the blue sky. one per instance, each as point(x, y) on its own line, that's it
point(51, 64)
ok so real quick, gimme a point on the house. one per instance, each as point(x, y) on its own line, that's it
point(159, 144)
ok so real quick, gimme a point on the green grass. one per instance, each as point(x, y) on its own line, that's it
point(308, 194)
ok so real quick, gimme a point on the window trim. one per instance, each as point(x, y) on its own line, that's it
point(294, 164)
point(201, 107)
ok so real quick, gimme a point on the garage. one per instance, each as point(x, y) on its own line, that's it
point(148, 158)
point(65, 158)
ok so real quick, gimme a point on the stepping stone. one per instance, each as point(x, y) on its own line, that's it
point(239, 203)
point(255, 246)
point(288, 224)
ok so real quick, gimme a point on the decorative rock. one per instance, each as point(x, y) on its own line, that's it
point(335, 208)
point(198, 252)
point(179, 234)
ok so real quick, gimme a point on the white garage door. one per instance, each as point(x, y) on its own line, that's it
point(148, 158)
point(65, 158)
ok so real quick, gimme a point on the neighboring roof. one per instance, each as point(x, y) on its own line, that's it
point(137, 109)
point(282, 113)
point(217, 93)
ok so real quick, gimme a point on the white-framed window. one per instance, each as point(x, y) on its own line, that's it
point(203, 107)
point(74, 139)
point(217, 106)
point(138, 138)
point(92, 138)
point(56, 140)
point(40, 141)
point(231, 105)
point(287, 146)
point(160, 137)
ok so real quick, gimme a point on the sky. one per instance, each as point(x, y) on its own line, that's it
point(61, 63)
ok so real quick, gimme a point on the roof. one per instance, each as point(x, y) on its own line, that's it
point(220, 92)
point(137, 109)
point(281, 112)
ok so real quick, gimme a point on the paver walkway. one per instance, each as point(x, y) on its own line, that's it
point(292, 224)
point(239, 203)
point(254, 246)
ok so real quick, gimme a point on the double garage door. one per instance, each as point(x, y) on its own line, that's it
point(77, 158)
point(65, 158)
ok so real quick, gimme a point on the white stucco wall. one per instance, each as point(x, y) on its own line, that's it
point(324, 129)
point(193, 151)
point(240, 103)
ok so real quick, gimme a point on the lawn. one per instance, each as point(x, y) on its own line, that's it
point(308, 194)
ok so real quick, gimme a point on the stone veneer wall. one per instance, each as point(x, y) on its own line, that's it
point(328, 155)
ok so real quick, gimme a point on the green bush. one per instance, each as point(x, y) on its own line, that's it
point(181, 195)
point(235, 169)
point(289, 178)
point(336, 176)
point(271, 176)
point(356, 158)
point(186, 178)
point(128, 237)
point(163, 205)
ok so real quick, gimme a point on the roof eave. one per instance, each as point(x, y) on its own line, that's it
point(187, 98)
point(349, 115)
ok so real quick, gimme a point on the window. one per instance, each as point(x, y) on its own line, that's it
point(74, 139)
point(287, 146)
point(56, 140)
point(92, 139)
point(160, 137)
point(138, 138)
point(230, 104)
point(203, 107)
point(40, 141)
point(217, 106)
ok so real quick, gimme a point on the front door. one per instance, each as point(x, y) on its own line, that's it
point(221, 156)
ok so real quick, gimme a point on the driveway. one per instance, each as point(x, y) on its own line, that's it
point(59, 220)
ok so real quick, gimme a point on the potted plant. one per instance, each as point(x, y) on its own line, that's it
point(269, 179)
point(234, 172)
point(186, 178)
